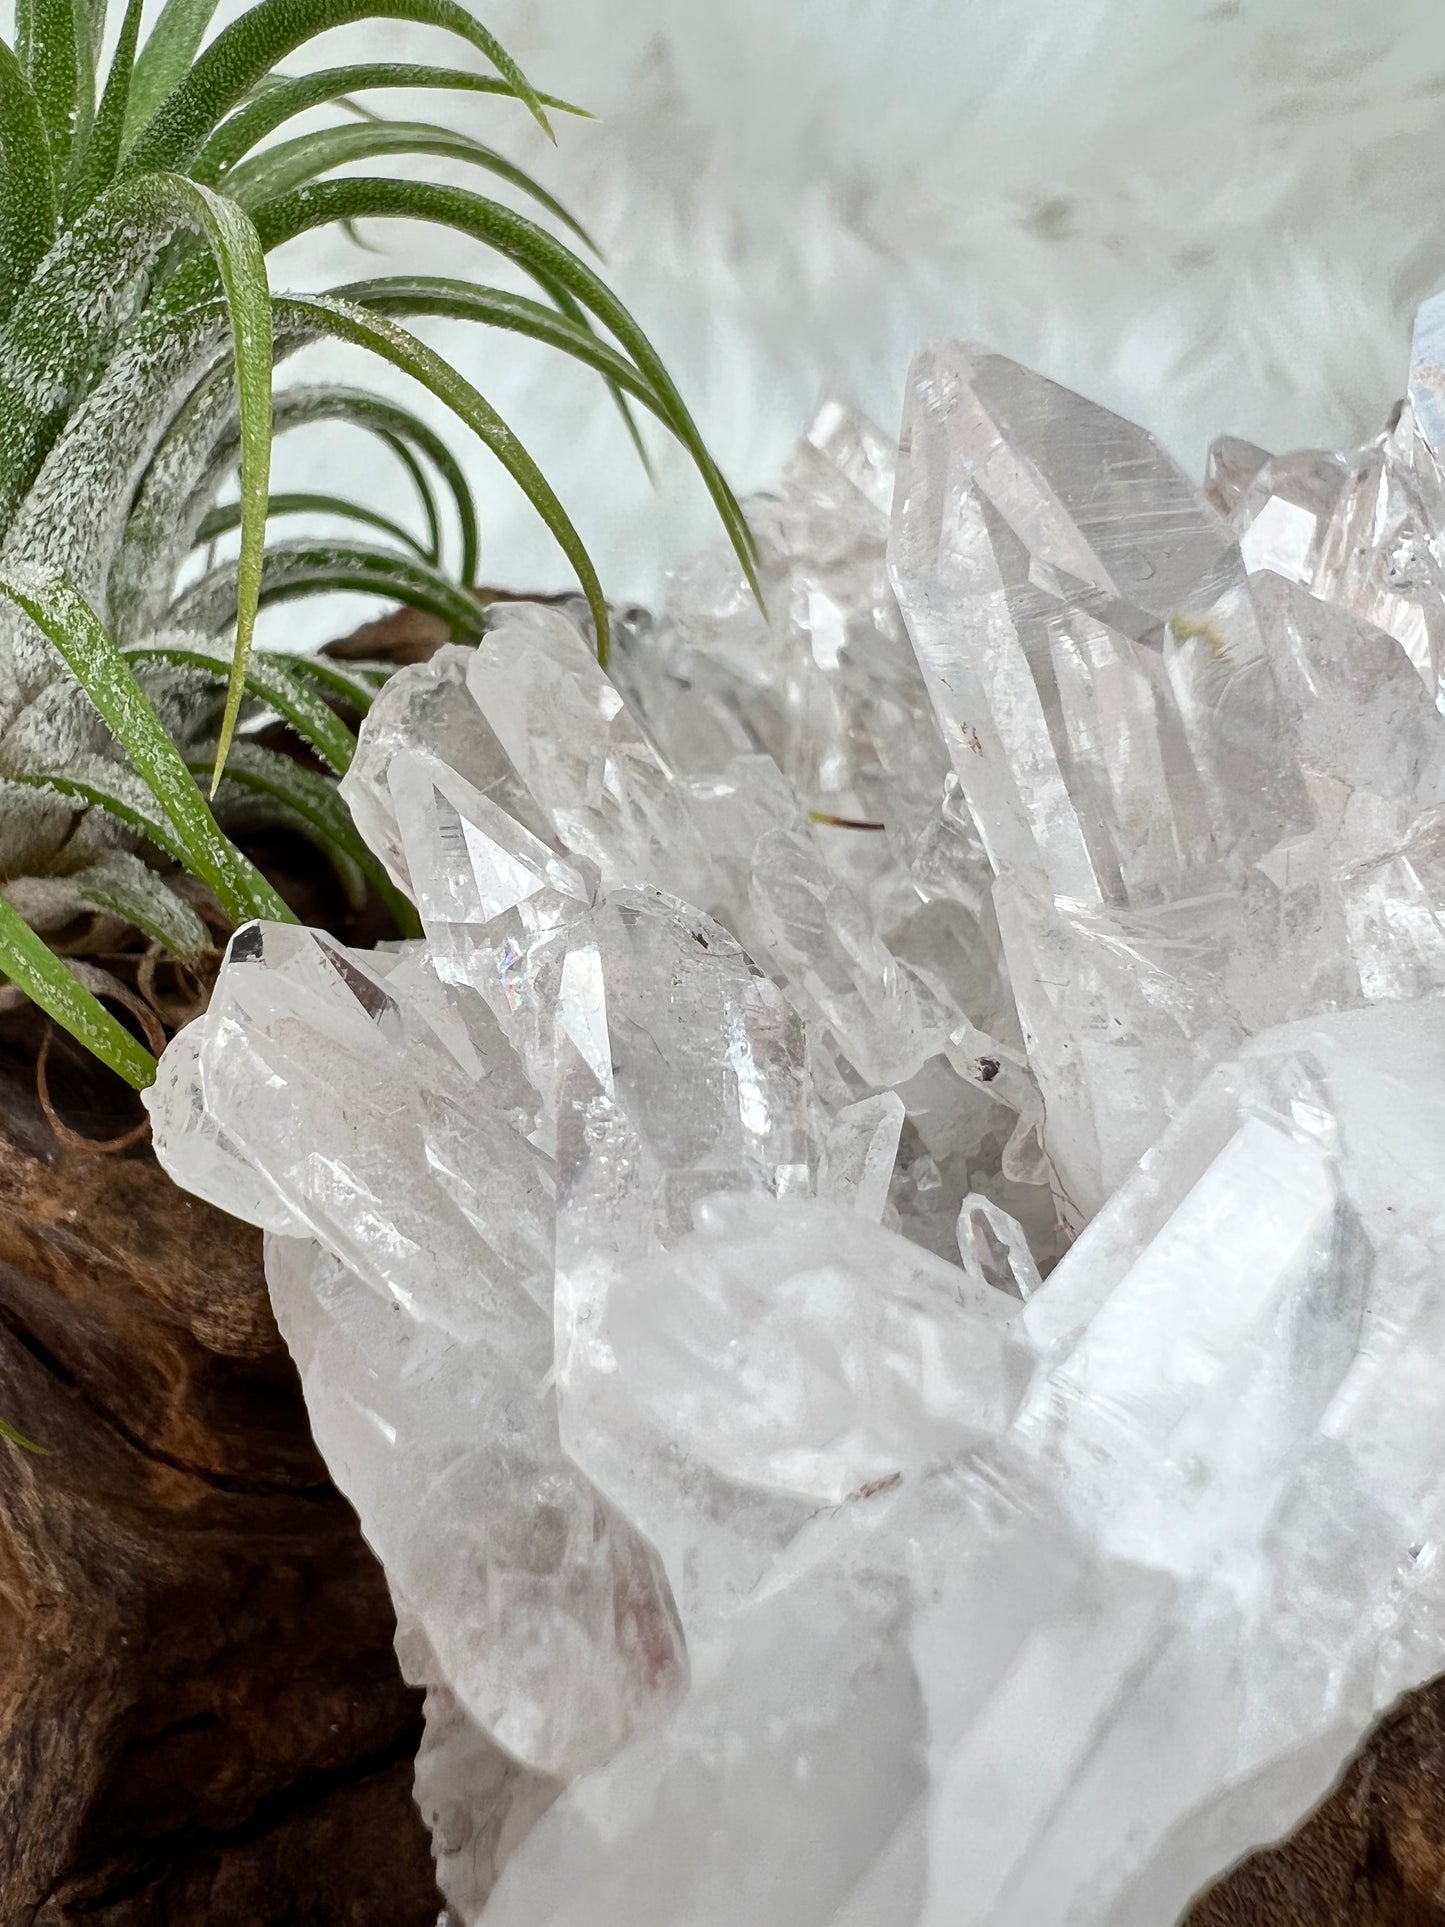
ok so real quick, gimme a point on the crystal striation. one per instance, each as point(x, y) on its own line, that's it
point(874, 1278)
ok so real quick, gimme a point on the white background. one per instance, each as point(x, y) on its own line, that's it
point(1214, 216)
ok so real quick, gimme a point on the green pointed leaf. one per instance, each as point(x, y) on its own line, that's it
point(340, 682)
point(118, 793)
point(27, 186)
point(291, 96)
point(293, 163)
point(317, 805)
point(122, 886)
point(426, 495)
point(90, 19)
point(242, 268)
point(271, 679)
point(30, 964)
point(250, 47)
point(408, 437)
point(97, 165)
point(498, 308)
point(346, 323)
point(320, 567)
point(55, 49)
point(501, 308)
point(551, 264)
point(166, 59)
point(108, 679)
point(66, 321)
point(221, 520)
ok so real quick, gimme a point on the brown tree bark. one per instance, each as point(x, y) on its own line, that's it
point(202, 1722)
point(201, 1717)
point(1372, 1855)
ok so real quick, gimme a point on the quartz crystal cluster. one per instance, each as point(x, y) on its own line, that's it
point(877, 1279)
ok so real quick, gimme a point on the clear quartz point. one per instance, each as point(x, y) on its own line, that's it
point(873, 1278)
point(414, 1288)
point(859, 1151)
point(994, 1250)
point(1177, 768)
point(1231, 466)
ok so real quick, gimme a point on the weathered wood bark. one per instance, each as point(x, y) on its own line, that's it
point(1373, 1855)
point(201, 1718)
point(202, 1723)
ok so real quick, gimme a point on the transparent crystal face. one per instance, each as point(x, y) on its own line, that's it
point(874, 1277)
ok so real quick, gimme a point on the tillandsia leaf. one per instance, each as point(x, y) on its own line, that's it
point(241, 264)
point(27, 186)
point(321, 567)
point(97, 163)
point(65, 322)
point(201, 447)
point(73, 518)
point(32, 966)
point(119, 793)
point(409, 437)
point(522, 314)
point(109, 680)
point(559, 327)
point(293, 163)
point(193, 443)
point(426, 495)
point(544, 257)
point(55, 47)
point(340, 683)
point(166, 59)
point(221, 520)
point(315, 803)
point(291, 96)
point(413, 357)
point(250, 47)
point(358, 108)
point(358, 240)
point(271, 679)
point(122, 886)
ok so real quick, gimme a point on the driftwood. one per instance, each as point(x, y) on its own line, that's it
point(1373, 1855)
point(201, 1718)
point(202, 1723)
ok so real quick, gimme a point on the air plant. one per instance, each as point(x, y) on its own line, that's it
point(138, 337)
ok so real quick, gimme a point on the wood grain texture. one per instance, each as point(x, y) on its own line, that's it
point(1372, 1855)
point(201, 1717)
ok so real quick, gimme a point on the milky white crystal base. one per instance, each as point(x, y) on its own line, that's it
point(874, 1278)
